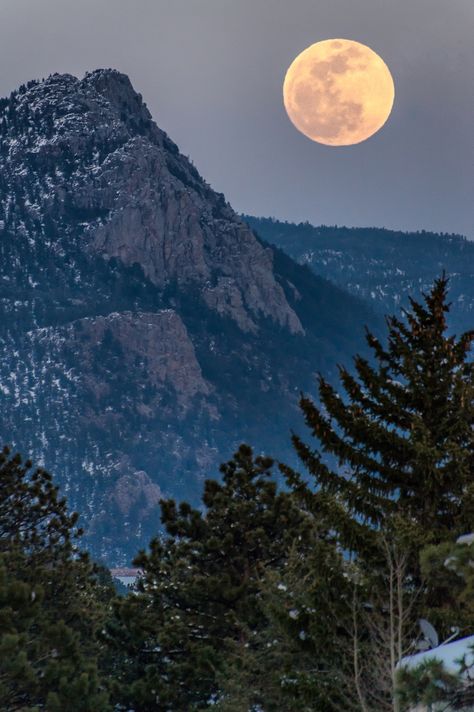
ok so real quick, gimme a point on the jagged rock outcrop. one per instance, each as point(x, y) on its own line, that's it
point(102, 159)
point(153, 346)
point(145, 330)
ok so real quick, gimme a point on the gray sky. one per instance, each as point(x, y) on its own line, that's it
point(211, 72)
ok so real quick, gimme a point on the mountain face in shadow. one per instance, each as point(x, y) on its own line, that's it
point(146, 331)
point(381, 266)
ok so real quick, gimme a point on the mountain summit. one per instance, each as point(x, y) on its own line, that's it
point(146, 330)
point(88, 149)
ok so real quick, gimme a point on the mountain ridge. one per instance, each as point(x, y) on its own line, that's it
point(383, 267)
point(146, 330)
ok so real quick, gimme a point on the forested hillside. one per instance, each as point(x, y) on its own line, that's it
point(382, 266)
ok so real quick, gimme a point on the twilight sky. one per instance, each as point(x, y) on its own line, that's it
point(211, 72)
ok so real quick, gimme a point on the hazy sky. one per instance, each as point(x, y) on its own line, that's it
point(211, 72)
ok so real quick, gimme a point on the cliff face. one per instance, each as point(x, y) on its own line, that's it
point(146, 331)
point(90, 150)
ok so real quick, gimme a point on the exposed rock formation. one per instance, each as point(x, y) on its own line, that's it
point(145, 330)
point(134, 196)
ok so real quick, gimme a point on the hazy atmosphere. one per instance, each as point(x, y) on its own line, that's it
point(212, 72)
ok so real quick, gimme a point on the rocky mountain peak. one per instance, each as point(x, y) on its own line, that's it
point(145, 330)
point(83, 161)
point(117, 88)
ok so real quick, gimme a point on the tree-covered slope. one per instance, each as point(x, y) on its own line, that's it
point(382, 266)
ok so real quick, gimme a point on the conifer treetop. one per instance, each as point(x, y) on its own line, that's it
point(400, 439)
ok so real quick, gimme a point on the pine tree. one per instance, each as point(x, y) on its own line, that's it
point(296, 660)
point(401, 439)
point(334, 633)
point(49, 600)
point(200, 594)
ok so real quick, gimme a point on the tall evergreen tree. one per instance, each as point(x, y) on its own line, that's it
point(401, 439)
point(296, 660)
point(49, 599)
point(334, 633)
point(200, 593)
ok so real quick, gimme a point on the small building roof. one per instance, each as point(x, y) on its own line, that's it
point(449, 654)
point(125, 572)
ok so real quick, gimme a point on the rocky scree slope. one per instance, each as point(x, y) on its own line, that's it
point(145, 330)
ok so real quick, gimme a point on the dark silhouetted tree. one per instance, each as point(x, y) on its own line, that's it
point(401, 439)
point(51, 602)
point(200, 594)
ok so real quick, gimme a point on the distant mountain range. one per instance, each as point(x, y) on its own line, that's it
point(145, 329)
point(381, 266)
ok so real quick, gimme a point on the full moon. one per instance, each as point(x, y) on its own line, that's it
point(338, 92)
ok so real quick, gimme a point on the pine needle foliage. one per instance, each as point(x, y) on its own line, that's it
point(200, 595)
point(49, 601)
point(400, 441)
